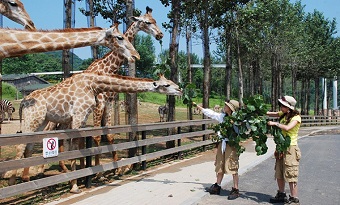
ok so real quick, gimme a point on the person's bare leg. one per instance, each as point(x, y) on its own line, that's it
point(219, 178)
point(293, 189)
point(235, 180)
point(281, 184)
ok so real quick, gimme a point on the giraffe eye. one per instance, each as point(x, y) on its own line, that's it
point(167, 85)
point(148, 22)
point(12, 3)
point(120, 38)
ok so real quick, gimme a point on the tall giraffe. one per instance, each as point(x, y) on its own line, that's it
point(73, 104)
point(18, 42)
point(107, 65)
point(15, 10)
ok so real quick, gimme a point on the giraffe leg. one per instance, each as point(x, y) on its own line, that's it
point(20, 149)
point(107, 115)
point(97, 116)
point(28, 153)
point(62, 165)
point(74, 187)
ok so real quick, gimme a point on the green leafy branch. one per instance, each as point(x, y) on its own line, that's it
point(282, 142)
point(250, 122)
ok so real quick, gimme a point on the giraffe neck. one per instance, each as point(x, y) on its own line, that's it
point(131, 32)
point(18, 42)
point(116, 83)
point(112, 61)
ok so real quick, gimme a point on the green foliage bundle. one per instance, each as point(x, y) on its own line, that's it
point(248, 122)
point(282, 142)
point(251, 122)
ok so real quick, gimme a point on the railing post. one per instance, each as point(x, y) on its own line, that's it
point(179, 143)
point(88, 179)
point(144, 150)
point(204, 148)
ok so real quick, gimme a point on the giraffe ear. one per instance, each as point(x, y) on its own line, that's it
point(110, 31)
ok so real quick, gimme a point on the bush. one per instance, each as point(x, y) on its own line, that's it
point(9, 92)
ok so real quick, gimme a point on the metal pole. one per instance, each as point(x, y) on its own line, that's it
point(324, 86)
point(335, 93)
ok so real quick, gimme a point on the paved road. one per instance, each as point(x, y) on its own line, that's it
point(319, 181)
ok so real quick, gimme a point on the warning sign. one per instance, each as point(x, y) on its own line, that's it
point(50, 147)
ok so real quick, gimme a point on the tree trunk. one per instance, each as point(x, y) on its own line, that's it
point(189, 69)
point(228, 68)
point(91, 17)
point(67, 24)
point(308, 96)
point(173, 52)
point(316, 97)
point(240, 75)
point(131, 98)
point(274, 82)
point(206, 56)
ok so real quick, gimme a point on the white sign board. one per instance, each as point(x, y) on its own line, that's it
point(50, 147)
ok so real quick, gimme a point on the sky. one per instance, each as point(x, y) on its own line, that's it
point(48, 14)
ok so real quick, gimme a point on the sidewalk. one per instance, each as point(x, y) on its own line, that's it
point(180, 182)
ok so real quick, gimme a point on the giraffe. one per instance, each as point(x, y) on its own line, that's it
point(15, 10)
point(107, 65)
point(73, 104)
point(110, 63)
point(15, 42)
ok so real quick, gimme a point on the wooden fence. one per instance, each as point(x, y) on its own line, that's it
point(87, 133)
point(90, 151)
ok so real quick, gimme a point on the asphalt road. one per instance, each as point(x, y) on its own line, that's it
point(319, 180)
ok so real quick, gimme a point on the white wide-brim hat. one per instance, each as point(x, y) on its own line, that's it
point(233, 105)
point(288, 101)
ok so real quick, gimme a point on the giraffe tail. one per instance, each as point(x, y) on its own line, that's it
point(20, 116)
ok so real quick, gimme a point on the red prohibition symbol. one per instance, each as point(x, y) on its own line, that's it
point(51, 144)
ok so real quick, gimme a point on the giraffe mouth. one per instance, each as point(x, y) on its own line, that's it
point(159, 36)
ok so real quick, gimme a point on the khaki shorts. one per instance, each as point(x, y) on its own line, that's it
point(228, 162)
point(288, 167)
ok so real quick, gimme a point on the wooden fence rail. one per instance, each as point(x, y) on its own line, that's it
point(38, 137)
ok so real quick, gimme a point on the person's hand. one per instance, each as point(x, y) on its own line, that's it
point(271, 123)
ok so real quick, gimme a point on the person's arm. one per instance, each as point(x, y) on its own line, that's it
point(273, 114)
point(282, 126)
point(210, 113)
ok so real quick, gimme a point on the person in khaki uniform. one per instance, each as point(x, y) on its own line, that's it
point(227, 159)
point(287, 163)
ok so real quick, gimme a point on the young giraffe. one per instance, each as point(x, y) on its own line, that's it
point(109, 64)
point(19, 42)
point(73, 104)
point(15, 10)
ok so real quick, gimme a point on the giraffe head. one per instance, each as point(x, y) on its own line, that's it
point(119, 43)
point(166, 86)
point(148, 24)
point(14, 10)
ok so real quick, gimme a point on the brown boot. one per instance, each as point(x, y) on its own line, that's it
point(279, 198)
point(234, 193)
point(215, 189)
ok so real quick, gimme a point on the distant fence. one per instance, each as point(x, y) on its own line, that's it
point(90, 151)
